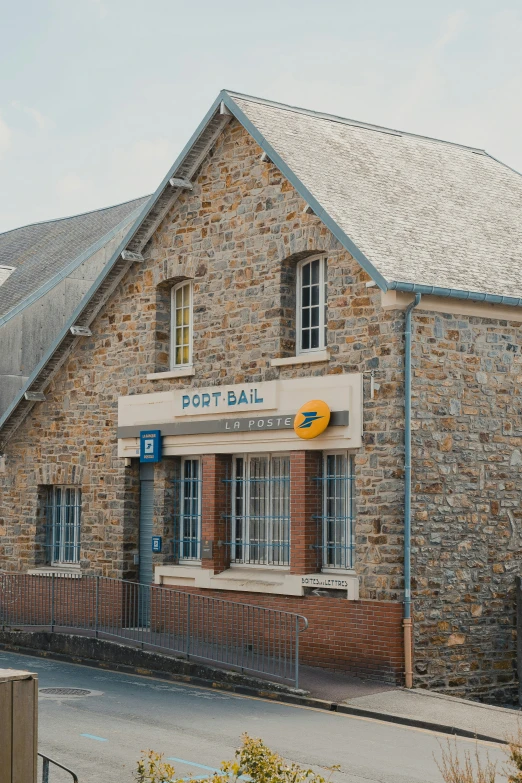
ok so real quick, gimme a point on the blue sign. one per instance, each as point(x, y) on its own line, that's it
point(150, 446)
point(156, 543)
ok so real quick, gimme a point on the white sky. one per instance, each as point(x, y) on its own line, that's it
point(97, 97)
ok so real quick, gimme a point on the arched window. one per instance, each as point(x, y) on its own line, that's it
point(311, 301)
point(181, 325)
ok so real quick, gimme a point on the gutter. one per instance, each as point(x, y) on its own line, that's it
point(407, 623)
point(454, 293)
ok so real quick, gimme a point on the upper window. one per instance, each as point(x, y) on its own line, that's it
point(312, 297)
point(181, 326)
point(63, 525)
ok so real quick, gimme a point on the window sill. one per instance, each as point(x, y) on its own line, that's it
point(73, 571)
point(183, 372)
point(303, 358)
point(250, 580)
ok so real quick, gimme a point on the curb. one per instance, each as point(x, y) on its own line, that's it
point(243, 690)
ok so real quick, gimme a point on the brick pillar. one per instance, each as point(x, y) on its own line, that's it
point(305, 496)
point(214, 505)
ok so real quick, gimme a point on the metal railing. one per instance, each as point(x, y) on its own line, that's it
point(239, 636)
point(46, 762)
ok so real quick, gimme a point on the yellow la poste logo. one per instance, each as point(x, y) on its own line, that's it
point(311, 419)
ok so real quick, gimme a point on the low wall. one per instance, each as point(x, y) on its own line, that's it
point(363, 637)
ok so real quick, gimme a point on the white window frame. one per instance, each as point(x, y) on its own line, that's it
point(349, 534)
point(247, 458)
point(323, 304)
point(57, 519)
point(173, 311)
point(188, 517)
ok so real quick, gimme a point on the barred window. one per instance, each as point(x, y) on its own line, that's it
point(63, 511)
point(312, 298)
point(187, 543)
point(181, 325)
point(337, 511)
point(260, 519)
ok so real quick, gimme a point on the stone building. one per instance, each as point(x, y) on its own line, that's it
point(296, 270)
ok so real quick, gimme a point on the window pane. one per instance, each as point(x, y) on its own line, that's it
point(182, 327)
point(190, 515)
point(336, 512)
point(312, 299)
point(63, 525)
point(261, 510)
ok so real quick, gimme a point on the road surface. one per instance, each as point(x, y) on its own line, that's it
point(100, 736)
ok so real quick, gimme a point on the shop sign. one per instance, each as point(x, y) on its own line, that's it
point(311, 419)
point(150, 446)
point(233, 424)
point(226, 399)
point(323, 580)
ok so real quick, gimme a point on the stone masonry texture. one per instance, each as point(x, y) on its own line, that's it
point(238, 234)
point(467, 458)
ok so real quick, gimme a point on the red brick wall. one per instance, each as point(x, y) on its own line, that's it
point(215, 468)
point(363, 637)
point(27, 599)
point(305, 493)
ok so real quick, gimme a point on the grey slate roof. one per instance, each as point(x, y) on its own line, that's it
point(42, 250)
point(422, 211)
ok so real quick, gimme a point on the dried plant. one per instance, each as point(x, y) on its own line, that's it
point(514, 765)
point(468, 768)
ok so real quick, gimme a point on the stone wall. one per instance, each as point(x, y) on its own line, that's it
point(467, 485)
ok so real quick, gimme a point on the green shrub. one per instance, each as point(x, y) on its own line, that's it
point(253, 761)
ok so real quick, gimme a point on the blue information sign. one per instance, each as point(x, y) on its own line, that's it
point(156, 543)
point(150, 446)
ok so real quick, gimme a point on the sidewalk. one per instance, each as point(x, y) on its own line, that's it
point(419, 705)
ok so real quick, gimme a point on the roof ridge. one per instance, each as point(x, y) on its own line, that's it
point(69, 217)
point(347, 121)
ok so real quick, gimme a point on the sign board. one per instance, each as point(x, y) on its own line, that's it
point(156, 543)
point(324, 580)
point(150, 446)
point(226, 399)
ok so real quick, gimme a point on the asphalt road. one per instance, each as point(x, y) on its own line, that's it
point(100, 736)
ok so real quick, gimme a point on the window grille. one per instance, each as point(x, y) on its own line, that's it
point(312, 299)
point(259, 524)
point(181, 325)
point(336, 518)
point(187, 511)
point(62, 515)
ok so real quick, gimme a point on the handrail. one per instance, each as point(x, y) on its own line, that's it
point(241, 636)
point(45, 768)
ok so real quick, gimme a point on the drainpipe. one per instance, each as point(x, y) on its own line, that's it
point(408, 668)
